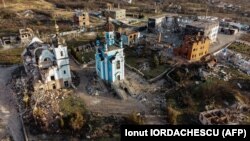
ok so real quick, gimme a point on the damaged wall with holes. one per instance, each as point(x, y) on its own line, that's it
point(47, 65)
point(26, 35)
point(234, 115)
point(193, 47)
point(23, 38)
point(81, 18)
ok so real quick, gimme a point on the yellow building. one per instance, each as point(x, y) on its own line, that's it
point(194, 47)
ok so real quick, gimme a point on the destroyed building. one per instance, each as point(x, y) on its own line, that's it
point(155, 22)
point(116, 13)
point(26, 35)
point(9, 41)
point(163, 22)
point(194, 47)
point(47, 65)
point(130, 37)
point(229, 30)
point(205, 27)
point(81, 18)
point(213, 117)
point(236, 114)
point(109, 56)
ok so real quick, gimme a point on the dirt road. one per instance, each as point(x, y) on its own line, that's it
point(108, 106)
point(9, 120)
point(223, 40)
point(102, 104)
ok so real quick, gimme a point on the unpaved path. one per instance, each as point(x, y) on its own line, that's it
point(108, 106)
point(102, 104)
point(9, 118)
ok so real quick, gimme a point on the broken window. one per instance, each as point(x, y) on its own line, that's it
point(52, 77)
point(118, 65)
point(54, 86)
point(66, 83)
point(61, 53)
point(64, 72)
point(118, 77)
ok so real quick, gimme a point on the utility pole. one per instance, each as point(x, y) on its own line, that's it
point(3, 4)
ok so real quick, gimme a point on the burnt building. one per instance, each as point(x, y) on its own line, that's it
point(194, 47)
point(205, 27)
point(81, 18)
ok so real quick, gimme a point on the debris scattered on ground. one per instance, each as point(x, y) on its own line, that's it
point(236, 114)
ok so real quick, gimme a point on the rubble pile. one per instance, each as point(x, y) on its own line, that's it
point(96, 86)
point(92, 88)
point(200, 72)
point(75, 78)
point(101, 127)
point(45, 106)
point(235, 59)
point(41, 106)
point(104, 130)
point(216, 72)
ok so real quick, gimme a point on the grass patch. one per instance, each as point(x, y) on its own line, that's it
point(11, 56)
point(189, 101)
point(216, 91)
point(71, 105)
point(152, 73)
point(74, 113)
point(88, 56)
point(237, 74)
point(245, 37)
point(134, 60)
point(241, 48)
point(81, 56)
point(75, 43)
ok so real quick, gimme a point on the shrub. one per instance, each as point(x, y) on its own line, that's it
point(136, 118)
point(77, 121)
point(74, 112)
point(172, 115)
